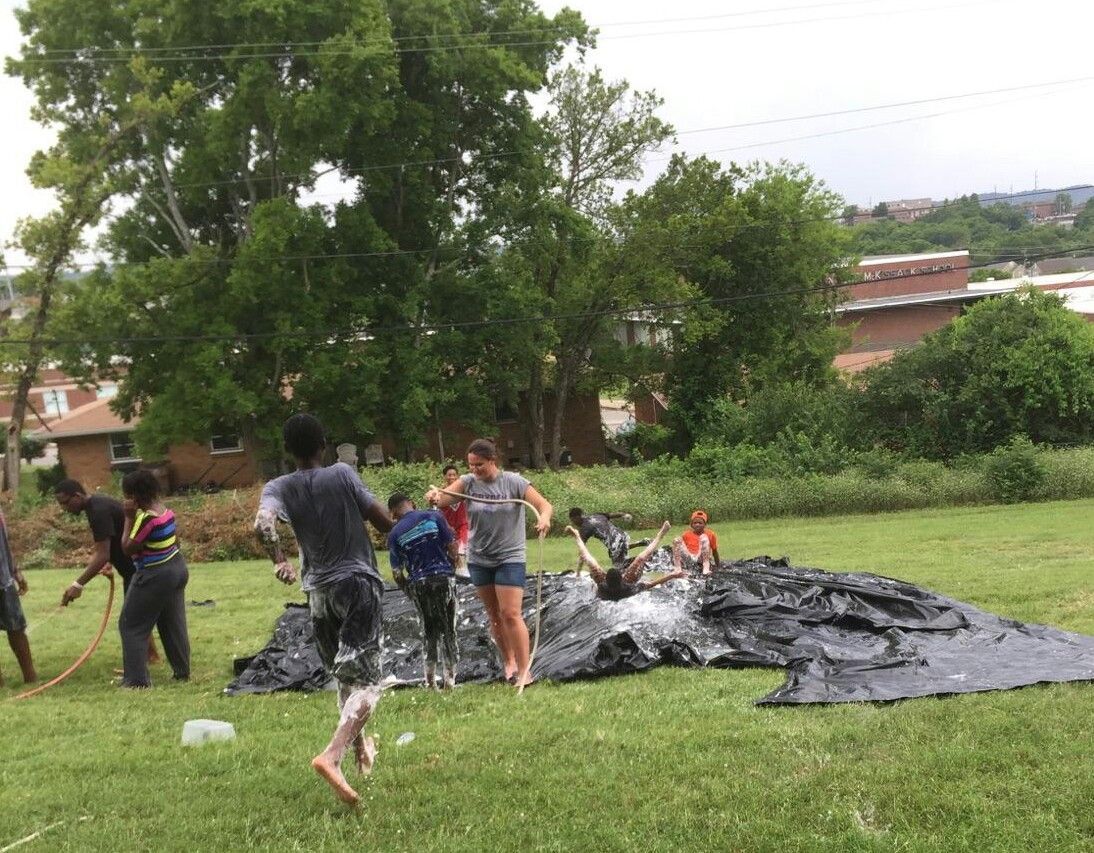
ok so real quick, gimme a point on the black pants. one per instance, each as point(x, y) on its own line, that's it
point(156, 599)
point(435, 599)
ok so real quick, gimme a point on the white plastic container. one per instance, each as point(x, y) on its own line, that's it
point(197, 732)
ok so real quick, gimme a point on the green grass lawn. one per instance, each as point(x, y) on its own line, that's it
point(668, 760)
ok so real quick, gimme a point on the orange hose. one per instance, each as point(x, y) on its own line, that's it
point(86, 653)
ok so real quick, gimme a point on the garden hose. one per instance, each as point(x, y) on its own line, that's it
point(82, 659)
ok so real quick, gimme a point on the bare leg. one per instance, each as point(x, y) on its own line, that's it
point(678, 554)
point(705, 555)
point(639, 562)
point(510, 599)
point(153, 652)
point(20, 645)
point(584, 556)
point(358, 704)
point(489, 599)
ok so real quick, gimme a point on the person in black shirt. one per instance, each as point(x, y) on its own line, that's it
point(106, 518)
point(599, 525)
point(622, 579)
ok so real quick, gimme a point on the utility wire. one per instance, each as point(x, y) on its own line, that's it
point(397, 39)
point(389, 253)
point(434, 328)
point(473, 45)
point(757, 123)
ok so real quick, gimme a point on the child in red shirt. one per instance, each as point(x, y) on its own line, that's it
point(697, 547)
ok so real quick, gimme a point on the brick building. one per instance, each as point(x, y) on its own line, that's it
point(902, 298)
point(93, 443)
point(54, 396)
point(582, 435)
point(899, 299)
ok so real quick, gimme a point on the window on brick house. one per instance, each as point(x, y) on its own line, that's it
point(55, 403)
point(122, 447)
point(106, 391)
point(226, 442)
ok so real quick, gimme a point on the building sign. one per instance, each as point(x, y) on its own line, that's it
point(882, 275)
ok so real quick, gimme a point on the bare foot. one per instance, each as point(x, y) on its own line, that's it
point(325, 767)
point(510, 671)
point(364, 750)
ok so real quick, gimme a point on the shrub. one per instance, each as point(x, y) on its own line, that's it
point(877, 463)
point(48, 478)
point(1015, 471)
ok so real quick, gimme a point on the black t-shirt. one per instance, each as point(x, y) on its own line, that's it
point(106, 518)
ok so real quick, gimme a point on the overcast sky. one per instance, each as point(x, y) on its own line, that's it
point(730, 65)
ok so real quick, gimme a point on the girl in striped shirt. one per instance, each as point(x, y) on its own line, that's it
point(157, 594)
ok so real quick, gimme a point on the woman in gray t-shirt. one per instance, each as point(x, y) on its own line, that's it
point(496, 557)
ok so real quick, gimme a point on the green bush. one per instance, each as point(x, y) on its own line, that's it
point(48, 478)
point(877, 463)
point(1015, 471)
point(648, 441)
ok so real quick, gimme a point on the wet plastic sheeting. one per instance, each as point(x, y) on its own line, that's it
point(290, 660)
point(840, 637)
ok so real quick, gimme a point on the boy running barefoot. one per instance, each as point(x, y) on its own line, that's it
point(327, 508)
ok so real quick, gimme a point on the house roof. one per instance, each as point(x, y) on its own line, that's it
point(873, 260)
point(1057, 266)
point(974, 291)
point(94, 418)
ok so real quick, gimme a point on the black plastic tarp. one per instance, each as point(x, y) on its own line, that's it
point(840, 637)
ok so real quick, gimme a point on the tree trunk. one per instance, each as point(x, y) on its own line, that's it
point(35, 353)
point(536, 420)
point(563, 384)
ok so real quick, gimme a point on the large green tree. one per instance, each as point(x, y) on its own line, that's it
point(761, 247)
point(565, 241)
point(230, 289)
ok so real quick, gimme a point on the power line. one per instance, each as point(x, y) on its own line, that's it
point(1056, 250)
point(474, 45)
point(917, 102)
point(872, 126)
point(397, 39)
point(363, 334)
point(757, 123)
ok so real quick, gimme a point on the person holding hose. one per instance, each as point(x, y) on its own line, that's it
point(497, 553)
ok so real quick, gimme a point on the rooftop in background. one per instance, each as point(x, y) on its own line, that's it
point(1080, 195)
point(94, 418)
point(870, 260)
point(1056, 266)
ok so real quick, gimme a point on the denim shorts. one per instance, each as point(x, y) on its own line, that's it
point(507, 574)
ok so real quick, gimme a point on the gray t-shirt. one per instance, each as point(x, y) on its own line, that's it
point(325, 507)
point(497, 530)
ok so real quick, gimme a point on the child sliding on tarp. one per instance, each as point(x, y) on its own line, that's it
point(622, 579)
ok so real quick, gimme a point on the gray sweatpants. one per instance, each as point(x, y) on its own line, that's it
point(156, 599)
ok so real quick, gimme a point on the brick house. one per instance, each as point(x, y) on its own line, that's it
point(54, 396)
point(582, 434)
point(93, 443)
